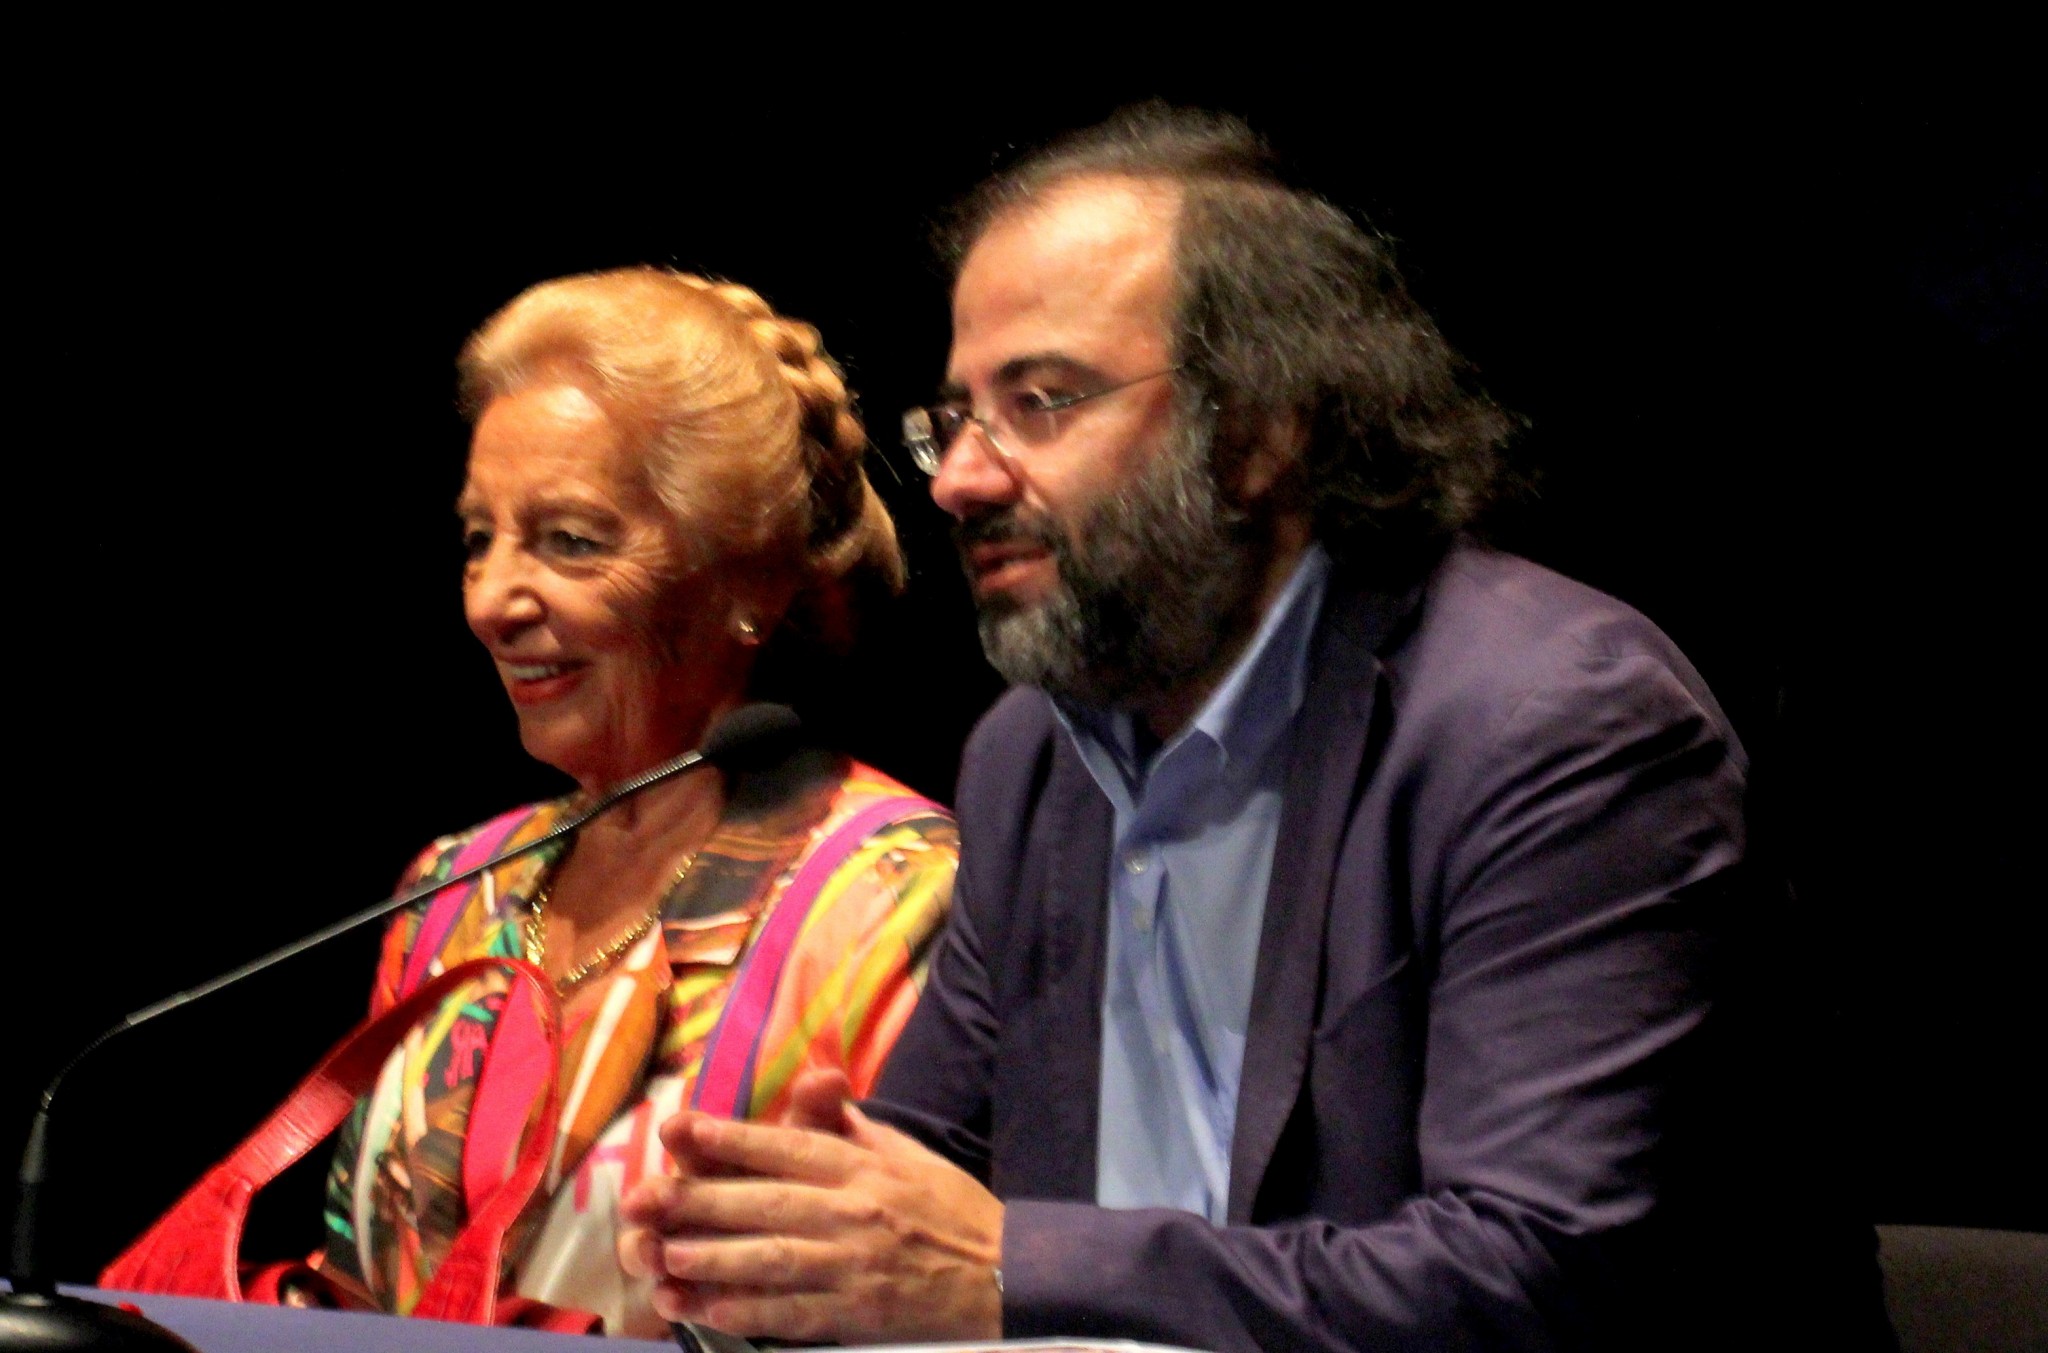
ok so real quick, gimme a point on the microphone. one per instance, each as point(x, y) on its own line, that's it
point(749, 738)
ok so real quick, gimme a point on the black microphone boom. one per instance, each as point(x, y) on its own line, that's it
point(749, 737)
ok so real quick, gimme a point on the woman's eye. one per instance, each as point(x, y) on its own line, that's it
point(572, 546)
point(475, 543)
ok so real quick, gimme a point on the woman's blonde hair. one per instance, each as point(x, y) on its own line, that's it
point(747, 427)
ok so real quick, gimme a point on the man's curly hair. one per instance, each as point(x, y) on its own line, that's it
point(1285, 305)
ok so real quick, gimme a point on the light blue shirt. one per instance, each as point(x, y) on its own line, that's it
point(1195, 831)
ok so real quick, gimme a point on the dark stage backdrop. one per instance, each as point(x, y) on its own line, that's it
point(1774, 350)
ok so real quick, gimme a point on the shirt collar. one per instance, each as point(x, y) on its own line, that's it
point(1256, 699)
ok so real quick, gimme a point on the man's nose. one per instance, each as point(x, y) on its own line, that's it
point(973, 473)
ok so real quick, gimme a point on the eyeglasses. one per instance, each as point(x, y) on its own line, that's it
point(1022, 418)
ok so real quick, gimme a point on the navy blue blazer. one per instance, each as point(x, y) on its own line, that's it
point(1510, 823)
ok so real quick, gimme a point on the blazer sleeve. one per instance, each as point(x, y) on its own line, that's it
point(1565, 841)
point(939, 1084)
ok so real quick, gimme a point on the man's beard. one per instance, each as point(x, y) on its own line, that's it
point(1152, 583)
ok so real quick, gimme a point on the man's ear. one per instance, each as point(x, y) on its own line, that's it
point(1273, 450)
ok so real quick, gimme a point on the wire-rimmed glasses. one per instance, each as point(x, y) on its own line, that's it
point(1022, 418)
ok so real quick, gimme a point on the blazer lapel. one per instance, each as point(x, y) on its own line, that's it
point(1326, 769)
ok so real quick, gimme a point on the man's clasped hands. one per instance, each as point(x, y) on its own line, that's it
point(825, 1225)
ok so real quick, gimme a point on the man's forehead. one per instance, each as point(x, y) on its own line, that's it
point(1089, 212)
point(1085, 260)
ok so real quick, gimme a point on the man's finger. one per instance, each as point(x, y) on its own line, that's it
point(818, 1100)
point(641, 1205)
point(639, 1252)
point(675, 1132)
point(763, 1149)
point(766, 1264)
point(652, 1202)
point(865, 1133)
point(754, 1206)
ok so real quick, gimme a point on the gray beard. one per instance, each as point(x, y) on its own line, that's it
point(1151, 586)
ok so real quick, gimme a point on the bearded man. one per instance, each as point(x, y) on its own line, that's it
point(1329, 962)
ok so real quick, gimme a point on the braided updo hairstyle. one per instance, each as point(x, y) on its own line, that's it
point(747, 427)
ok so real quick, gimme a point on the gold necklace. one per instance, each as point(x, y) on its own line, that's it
point(536, 932)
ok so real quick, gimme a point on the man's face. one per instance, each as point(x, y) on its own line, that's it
point(1104, 567)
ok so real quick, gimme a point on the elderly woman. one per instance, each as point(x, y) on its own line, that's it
point(663, 472)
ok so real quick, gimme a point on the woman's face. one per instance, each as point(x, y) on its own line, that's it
point(614, 654)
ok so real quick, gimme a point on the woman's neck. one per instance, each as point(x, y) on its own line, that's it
point(625, 859)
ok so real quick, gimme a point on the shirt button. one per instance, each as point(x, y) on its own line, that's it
point(1134, 862)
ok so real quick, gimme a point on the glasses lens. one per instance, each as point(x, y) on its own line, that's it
point(920, 442)
point(1038, 416)
point(947, 425)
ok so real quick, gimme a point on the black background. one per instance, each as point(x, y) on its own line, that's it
point(1780, 341)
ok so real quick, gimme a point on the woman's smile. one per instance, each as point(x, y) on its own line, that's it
point(538, 683)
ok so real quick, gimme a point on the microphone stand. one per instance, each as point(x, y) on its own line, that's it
point(33, 1314)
